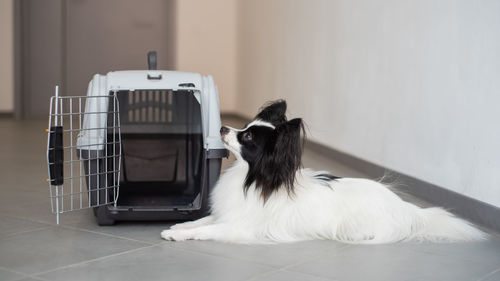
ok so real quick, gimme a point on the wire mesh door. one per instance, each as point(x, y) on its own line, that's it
point(83, 152)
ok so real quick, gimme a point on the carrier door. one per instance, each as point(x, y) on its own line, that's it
point(83, 152)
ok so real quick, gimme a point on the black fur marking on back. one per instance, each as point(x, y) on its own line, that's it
point(326, 177)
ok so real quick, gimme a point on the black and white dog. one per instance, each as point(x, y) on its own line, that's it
point(267, 197)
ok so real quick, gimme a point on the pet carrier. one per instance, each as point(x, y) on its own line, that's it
point(141, 145)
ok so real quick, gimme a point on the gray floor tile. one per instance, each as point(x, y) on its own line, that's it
point(277, 256)
point(11, 226)
point(160, 263)
point(7, 275)
point(399, 262)
point(283, 275)
point(35, 211)
point(487, 251)
point(35, 206)
point(31, 204)
point(492, 276)
point(37, 251)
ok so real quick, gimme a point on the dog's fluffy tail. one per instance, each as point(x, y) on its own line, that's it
point(438, 225)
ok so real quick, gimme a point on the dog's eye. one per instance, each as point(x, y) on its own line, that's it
point(247, 136)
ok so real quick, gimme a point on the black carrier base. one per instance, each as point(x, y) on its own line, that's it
point(151, 204)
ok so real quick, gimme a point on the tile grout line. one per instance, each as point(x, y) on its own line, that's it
point(284, 268)
point(208, 254)
point(33, 277)
point(23, 275)
point(227, 258)
point(24, 231)
point(263, 274)
point(16, 272)
point(107, 234)
point(489, 274)
point(79, 229)
point(314, 258)
point(31, 220)
point(93, 260)
point(236, 258)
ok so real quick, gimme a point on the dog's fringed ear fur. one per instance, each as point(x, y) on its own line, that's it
point(280, 160)
point(273, 112)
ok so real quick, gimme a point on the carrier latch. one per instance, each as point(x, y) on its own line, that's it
point(56, 155)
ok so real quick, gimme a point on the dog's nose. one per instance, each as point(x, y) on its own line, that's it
point(224, 130)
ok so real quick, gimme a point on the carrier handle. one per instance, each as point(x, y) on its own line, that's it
point(152, 60)
point(152, 66)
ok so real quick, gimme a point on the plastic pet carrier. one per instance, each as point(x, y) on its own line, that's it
point(141, 145)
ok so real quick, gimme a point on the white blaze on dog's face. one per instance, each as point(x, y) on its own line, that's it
point(270, 145)
point(247, 141)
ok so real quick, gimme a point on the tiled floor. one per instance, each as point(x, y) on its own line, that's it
point(32, 247)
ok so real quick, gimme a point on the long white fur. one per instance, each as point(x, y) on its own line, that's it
point(349, 210)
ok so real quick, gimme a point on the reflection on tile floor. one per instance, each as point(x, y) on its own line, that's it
point(32, 247)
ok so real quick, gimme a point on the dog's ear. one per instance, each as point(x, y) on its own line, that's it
point(273, 112)
point(281, 159)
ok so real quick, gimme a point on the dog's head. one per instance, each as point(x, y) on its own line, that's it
point(272, 147)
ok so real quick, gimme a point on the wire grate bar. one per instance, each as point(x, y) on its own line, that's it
point(87, 113)
point(87, 129)
point(84, 192)
point(86, 97)
point(85, 145)
point(90, 175)
point(83, 208)
point(73, 161)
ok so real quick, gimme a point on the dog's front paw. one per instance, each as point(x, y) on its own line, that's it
point(174, 235)
point(177, 226)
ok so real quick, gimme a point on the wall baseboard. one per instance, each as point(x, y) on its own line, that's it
point(6, 114)
point(476, 211)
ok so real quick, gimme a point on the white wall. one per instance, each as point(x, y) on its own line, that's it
point(7, 55)
point(206, 43)
point(410, 85)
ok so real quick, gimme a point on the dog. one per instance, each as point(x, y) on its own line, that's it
point(267, 197)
